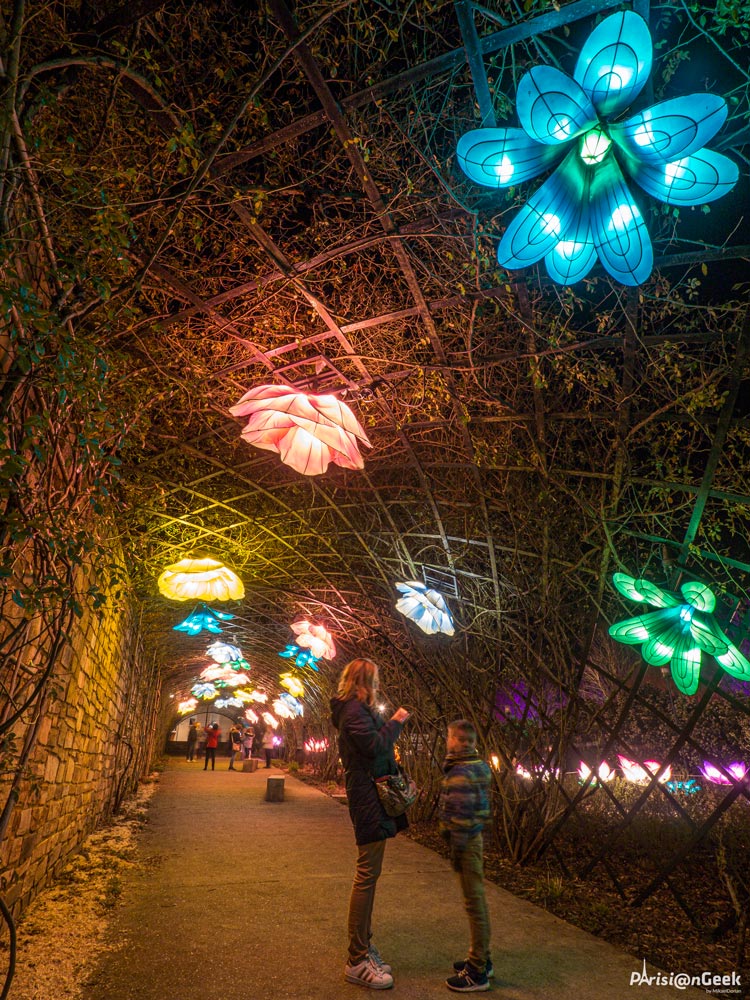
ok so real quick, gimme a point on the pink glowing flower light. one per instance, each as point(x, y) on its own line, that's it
point(316, 638)
point(641, 774)
point(603, 773)
point(307, 431)
point(717, 777)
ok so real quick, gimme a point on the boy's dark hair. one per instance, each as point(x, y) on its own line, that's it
point(462, 726)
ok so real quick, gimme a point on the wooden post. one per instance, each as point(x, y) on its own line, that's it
point(274, 789)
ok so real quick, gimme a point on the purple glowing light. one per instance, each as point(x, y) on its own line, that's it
point(717, 777)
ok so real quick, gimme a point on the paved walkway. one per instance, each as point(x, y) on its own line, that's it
point(243, 899)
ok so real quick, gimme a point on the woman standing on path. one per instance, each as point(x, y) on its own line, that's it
point(212, 741)
point(366, 748)
point(235, 745)
point(268, 738)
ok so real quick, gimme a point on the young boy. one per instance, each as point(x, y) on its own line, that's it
point(464, 809)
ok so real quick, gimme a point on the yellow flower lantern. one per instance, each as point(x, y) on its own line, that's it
point(200, 580)
point(293, 685)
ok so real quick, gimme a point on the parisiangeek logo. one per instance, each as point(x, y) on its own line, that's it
point(711, 982)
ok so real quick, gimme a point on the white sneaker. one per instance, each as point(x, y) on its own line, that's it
point(374, 955)
point(367, 973)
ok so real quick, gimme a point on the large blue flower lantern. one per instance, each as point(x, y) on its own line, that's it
point(585, 210)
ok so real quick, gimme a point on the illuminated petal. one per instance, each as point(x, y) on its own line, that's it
point(653, 767)
point(734, 663)
point(573, 257)
point(549, 212)
point(499, 157)
point(627, 586)
point(202, 618)
point(305, 444)
point(693, 180)
point(620, 234)
point(699, 595)
point(714, 775)
point(658, 651)
point(635, 630)
point(551, 107)
point(615, 62)
point(708, 635)
point(671, 130)
point(686, 665)
point(574, 254)
point(644, 591)
point(633, 771)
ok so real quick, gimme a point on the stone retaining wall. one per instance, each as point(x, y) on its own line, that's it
point(95, 741)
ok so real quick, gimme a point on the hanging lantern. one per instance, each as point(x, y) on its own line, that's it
point(202, 618)
point(200, 580)
point(283, 711)
point(293, 685)
point(585, 210)
point(224, 652)
point(270, 720)
point(228, 703)
point(678, 632)
point(189, 705)
point(425, 607)
point(244, 696)
point(296, 707)
point(215, 672)
point(316, 638)
point(308, 432)
point(250, 715)
point(301, 657)
point(204, 691)
point(235, 679)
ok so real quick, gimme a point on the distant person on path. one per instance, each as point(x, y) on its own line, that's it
point(192, 738)
point(235, 745)
point(463, 810)
point(247, 742)
point(366, 747)
point(268, 744)
point(212, 741)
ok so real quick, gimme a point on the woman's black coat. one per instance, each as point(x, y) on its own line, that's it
point(366, 750)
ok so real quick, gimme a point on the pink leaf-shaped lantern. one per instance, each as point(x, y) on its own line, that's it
point(717, 777)
point(307, 431)
point(642, 774)
point(216, 672)
point(316, 638)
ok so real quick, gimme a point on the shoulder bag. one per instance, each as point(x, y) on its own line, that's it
point(396, 792)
